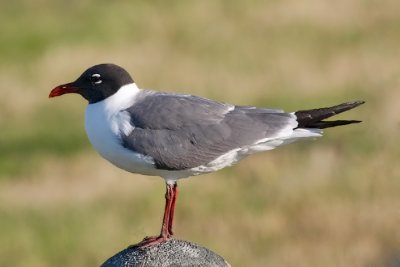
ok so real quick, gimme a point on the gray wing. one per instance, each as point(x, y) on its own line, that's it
point(182, 132)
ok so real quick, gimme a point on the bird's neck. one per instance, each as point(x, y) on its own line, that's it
point(122, 99)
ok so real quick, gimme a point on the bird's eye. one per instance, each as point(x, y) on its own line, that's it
point(95, 79)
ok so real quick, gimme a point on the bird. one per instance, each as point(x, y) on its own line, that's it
point(176, 136)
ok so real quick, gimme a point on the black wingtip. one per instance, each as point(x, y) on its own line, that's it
point(314, 118)
point(343, 107)
point(354, 104)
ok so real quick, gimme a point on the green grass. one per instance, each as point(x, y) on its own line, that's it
point(23, 145)
point(329, 202)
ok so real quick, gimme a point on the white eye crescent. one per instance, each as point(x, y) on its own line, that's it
point(96, 79)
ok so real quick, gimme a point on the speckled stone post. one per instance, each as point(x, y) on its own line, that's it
point(171, 253)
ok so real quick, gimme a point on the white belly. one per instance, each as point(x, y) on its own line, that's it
point(103, 130)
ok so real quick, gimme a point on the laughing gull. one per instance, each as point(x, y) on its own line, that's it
point(176, 136)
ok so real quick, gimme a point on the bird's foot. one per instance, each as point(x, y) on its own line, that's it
point(152, 241)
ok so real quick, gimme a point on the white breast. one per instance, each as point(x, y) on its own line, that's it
point(105, 120)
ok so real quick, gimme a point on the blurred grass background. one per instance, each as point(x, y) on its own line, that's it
point(330, 202)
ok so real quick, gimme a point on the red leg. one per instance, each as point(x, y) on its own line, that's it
point(169, 202)
point(166, 228)
point(172, 211)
